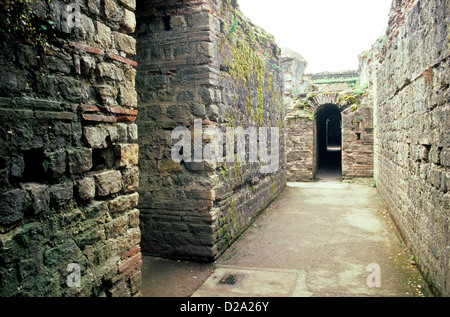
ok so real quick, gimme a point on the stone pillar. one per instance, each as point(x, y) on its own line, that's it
point(202, 60)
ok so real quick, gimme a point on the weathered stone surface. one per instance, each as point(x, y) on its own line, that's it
point(123, 203)
point(86, 188)
point(130, 176)
point(40, 196)
point(128, 154)
point(59, 115)
point(55, 163)
point(109, 70)
point(125, 43)
point(132, 133)
point(95, 137)
point(412, 133)
point(128, 97)
point(61, 193)
point(103, 36)
point(129, 21)
point(107, 95)
point(80, 160)
point(107, 183)
point(12, 205)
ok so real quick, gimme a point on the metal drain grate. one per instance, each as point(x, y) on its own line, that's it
point(232, 279)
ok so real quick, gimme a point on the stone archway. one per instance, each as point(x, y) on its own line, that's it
point(354, 158)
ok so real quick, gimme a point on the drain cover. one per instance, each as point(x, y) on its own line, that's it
point(232, 279)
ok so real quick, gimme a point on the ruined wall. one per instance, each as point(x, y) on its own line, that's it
point(202, 60)
point(68, 150)
point(299, 125)
point(412, 132)
point(294, 66)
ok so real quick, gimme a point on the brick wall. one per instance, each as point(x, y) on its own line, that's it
point(69, 150)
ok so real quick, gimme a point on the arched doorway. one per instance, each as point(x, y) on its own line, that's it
point(329, 141)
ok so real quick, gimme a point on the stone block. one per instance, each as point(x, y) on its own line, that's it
point(212, 111)
point(134, 200)
point(109, 70)
point(132, 133)
point(199, 20)
point(122, 130)
point(107, 95)
point(61, 193)
point(12, 205)
point(130, 176)
point(87, 65)
point(112, 11)
point(128, 97)
point(128, 21)
point(445, 157)
point(113, 133)
point(125, 43)
point(119, 204)
point(39, 195)
point(94, 6)
point(86, 188)
point(133, 216)
point(54, 164)
point(103, 37)
point(178, 22)
point(130, 78)
point(128, 154)
point(130, 4)
point(108, 182)
point(95, 137)
point(80, 160)
point(117, 227)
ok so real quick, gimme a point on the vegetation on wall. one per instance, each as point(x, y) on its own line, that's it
point(348, 98)
point(30, 20)
point(248, 61)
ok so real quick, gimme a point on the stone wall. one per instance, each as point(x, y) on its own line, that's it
point(202, 60)
point(301, 150)
point(412, 132)
point(357, 143)
point(68, 168)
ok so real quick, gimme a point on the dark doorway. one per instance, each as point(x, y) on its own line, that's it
point(329, 142)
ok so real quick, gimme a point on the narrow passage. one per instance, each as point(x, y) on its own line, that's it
point(319, 239)
point(316, 240)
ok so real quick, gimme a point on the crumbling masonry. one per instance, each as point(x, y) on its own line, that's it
point(82, 193)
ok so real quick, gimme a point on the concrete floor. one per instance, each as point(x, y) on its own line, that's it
point(316, 240)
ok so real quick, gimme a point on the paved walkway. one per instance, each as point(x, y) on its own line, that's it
point(320, 239)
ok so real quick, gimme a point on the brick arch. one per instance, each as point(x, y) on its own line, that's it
point(322, 99)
